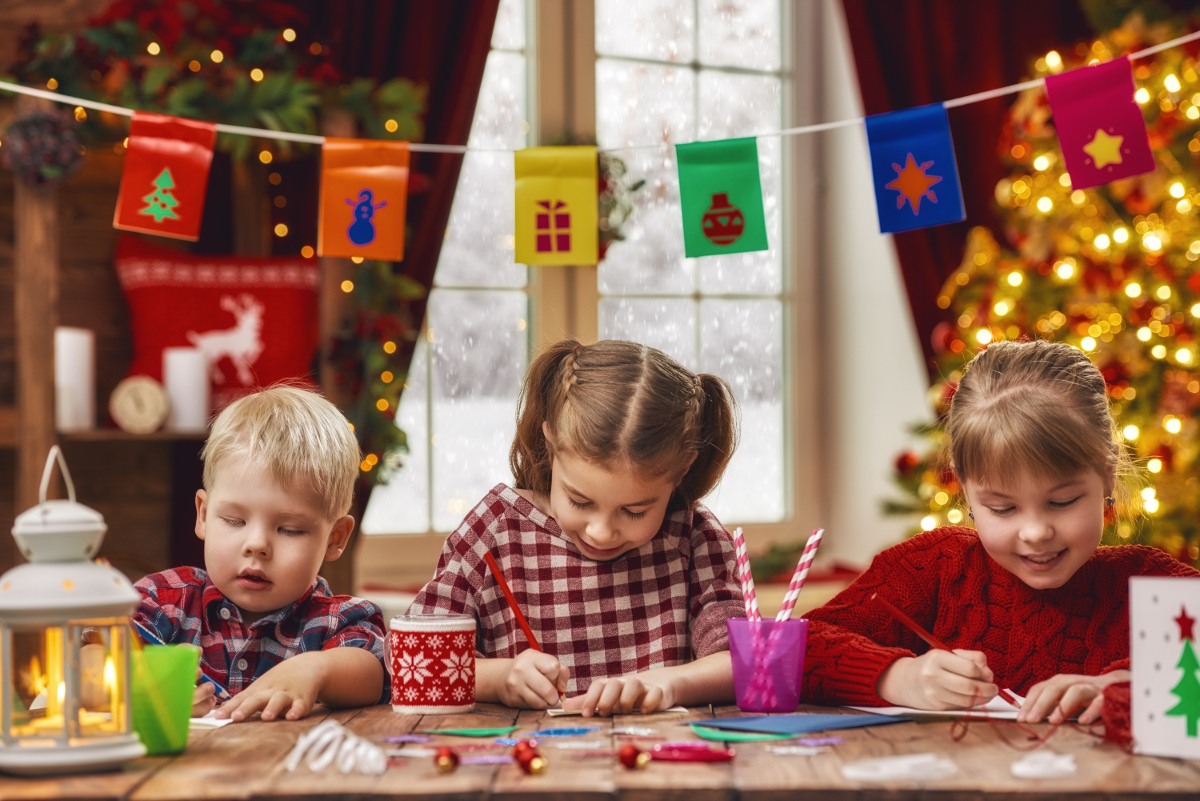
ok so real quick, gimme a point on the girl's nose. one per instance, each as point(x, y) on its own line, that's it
point(1036, 530)
point(601, 532)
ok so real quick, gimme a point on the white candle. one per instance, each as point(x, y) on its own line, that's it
point(185, 375)
point(75, 379)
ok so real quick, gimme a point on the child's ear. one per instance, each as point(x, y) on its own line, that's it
point(683, 471)
point(549, 439)
point(340, 537)
point(201, 511)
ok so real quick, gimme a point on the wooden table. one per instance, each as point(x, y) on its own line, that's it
point(244, 761)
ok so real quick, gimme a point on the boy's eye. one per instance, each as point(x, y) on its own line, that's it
point(232, 521)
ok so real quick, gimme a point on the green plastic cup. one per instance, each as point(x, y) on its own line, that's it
point(164, 681)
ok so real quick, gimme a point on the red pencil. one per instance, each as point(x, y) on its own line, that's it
point(512, 602)
point(934, 642)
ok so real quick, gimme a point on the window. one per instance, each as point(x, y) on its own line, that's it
point(673, 71)
point(458, 405)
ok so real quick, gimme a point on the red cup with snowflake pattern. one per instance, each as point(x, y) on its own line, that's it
point(431, 659)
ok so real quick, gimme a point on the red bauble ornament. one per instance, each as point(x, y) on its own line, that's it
point(633, 757)
point(723, 223)
point(942, 336)
point(445, 760)
point(906, 463)
point(529, 759)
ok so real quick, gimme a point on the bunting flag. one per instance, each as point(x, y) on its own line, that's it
point(1100, 126)
point(721, 197)
point(912, 162)
point(364, 195)
point(165, 176)
point(556, 205)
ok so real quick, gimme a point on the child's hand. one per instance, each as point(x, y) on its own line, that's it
point(534, 680)
point(204, 698)
point(289, 690)
point(1061, 695)
point(621, 696)
point(939, 680)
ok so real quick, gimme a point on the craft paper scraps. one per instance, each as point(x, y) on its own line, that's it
point(721, 197)
point(795, 750)
point(496, 732)
point(727, 736)
point(165, 176)
point(912, 162)
point(558, 712)
point(910, 767)
point(408, 738)
point(556, 207)
point(996, 709)
point(1165, 690)
point(1100, 126)
point(364, 197)
point(1044, 765)
point(565, 732)
point(798, 724)
point(208, 722)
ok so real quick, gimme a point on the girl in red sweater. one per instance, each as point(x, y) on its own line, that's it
point(1027, 600)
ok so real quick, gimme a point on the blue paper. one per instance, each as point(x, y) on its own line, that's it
point(565, 732)
point(912, 163)
point(799, 724)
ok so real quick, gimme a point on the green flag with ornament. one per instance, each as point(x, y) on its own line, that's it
point(721, 197)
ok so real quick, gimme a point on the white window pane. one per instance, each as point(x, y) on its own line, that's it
point(663, 323)
point(509, 33)
point(479, 358)
point(658, 29)
point(478, 249)
point(402, 505)
point(740, 33)
point(640, 104)
point(500, 112)
point(741, 341)
point(734, 106)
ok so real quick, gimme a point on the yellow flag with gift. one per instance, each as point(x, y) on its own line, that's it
point(556, 205)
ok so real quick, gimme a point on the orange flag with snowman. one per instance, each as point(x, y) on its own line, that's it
point(556, 205)
point(364, 194)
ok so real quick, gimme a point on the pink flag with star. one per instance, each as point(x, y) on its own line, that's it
point(1100, 126)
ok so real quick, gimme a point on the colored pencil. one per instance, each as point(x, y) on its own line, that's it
point(934, 642)
point(512, 602)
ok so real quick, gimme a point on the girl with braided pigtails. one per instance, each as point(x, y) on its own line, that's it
point(625, 578)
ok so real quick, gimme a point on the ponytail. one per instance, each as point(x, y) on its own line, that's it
point(716, 438)
point(542, 395)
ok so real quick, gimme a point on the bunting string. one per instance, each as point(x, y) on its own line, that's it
point(312, 139)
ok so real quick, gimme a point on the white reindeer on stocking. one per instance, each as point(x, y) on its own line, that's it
point(242, 343)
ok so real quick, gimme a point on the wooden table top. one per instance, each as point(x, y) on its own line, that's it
point(245, 760)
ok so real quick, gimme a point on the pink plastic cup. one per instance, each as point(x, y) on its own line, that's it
point(784, 657)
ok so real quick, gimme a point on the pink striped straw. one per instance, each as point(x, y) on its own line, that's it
point(743, 562)
point(799, 577)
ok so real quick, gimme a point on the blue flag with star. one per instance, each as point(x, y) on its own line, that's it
point(912, 162)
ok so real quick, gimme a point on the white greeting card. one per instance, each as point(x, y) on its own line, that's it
point(1163, 613)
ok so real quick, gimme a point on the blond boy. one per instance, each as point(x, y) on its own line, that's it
point(279, 472)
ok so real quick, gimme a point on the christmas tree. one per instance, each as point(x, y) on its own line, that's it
point(160, 204)
point(1188, 690)
point(1113, 271)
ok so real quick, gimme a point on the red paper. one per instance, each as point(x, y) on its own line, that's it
point(165, 176)
point(1100, 126)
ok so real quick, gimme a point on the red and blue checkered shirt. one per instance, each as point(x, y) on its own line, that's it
point(184, 606)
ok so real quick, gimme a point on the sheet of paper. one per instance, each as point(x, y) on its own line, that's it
point(996, 709)
point(209, 722)
point(797, 724)
point(558, 712)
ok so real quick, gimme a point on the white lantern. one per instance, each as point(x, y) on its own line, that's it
point(64, 644)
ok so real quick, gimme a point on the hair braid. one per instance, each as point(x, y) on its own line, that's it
point(569, 366)
point(692, 415)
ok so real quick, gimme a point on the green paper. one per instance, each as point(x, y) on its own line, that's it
point(473, 732)
point(721, 196)
point(726, 735)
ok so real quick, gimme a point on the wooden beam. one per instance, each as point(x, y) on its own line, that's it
point(8, 426)
point(35, 295)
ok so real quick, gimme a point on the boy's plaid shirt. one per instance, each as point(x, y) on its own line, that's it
point(652, 607)
point(184, 606)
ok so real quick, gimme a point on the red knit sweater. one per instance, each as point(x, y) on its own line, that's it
point(945, 580)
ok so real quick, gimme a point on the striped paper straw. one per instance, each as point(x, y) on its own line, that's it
point(743, 562)
point(801, 574)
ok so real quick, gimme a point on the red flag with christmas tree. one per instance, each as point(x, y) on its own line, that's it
point(165, 176)
point(1100, 126)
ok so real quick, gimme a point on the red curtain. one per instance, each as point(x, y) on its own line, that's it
point(924, 51)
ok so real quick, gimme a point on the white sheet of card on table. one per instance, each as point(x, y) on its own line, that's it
point(1162, 628)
